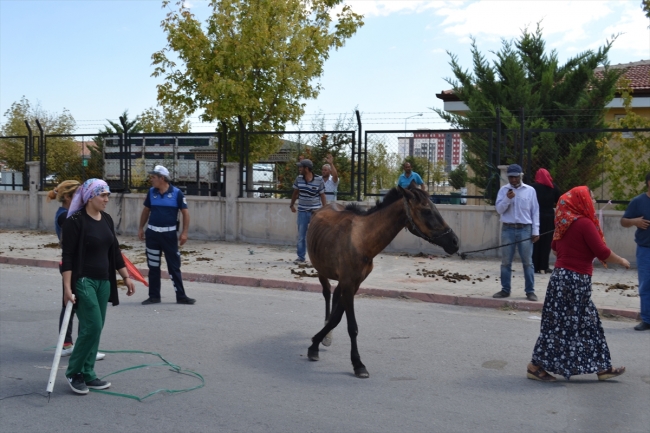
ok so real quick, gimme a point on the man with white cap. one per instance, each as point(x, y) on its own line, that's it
point(517, 204)
point(309, 189)
point(160, 215)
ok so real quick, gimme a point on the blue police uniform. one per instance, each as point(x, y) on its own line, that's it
point(161, 237)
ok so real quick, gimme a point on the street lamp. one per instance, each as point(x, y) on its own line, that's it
point(406, 119)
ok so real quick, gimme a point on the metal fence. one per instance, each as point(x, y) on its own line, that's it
point(368, 162)
point(269, 167)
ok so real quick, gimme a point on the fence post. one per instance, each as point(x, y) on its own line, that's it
point(127, 150)
point(359, 157)
point(231, 219)
point(41, 154)
point(34, 186)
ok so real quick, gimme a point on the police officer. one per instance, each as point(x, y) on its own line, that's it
point(160, 215)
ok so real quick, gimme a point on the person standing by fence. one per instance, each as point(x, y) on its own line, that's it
point(571, 338)
point(91, 255)
point(309, 190)
point(637, 215)
point(330, 178)
point(63, 194)
point(547, 196)
point(160, 216)
point(517, 205)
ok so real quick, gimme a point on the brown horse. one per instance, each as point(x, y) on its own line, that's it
point(342, 241)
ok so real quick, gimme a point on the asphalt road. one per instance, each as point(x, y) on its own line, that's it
point(433, 368)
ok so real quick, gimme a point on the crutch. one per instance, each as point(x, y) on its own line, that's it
point(59, 347)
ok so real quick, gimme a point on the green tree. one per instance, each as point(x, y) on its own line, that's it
point(458, 177)
point(63, 156)
point(436, 173)
point(628, 153)
point(257, 60)
point(383, 167)
point(645, 5)
point(167, 119)
point(553, 96)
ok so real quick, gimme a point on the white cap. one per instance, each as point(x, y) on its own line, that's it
point(160, 171)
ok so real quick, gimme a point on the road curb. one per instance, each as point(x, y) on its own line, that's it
point(301, 286)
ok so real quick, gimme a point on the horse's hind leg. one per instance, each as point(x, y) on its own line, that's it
point(335, 319)
point(359, 369)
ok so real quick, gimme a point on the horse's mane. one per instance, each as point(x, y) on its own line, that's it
point(391, 197)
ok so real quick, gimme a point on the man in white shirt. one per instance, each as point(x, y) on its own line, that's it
point(517, 204)
point(330, 178)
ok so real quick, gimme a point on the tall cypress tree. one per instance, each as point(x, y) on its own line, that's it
point(552, 95)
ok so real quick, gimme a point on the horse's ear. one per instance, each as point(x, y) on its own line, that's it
point(406, 193)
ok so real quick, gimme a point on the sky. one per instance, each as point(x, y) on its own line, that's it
point(93, 58)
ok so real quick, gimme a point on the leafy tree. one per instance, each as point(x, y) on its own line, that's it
point(645, 5)
point(458, 177)
point(167, 119)
point(254, 59)
point(383, 167)
point(627, 154)
point(63, 156)
point(435, 173)
point(316, 147)
point(553, 96)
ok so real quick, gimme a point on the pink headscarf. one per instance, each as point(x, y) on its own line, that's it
point(90, 188)
point(544, 177)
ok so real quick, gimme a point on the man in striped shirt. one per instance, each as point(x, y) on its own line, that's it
point(309, 190)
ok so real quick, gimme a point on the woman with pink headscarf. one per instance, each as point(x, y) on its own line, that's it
point(547, 196)
point(571, 337)
point(91, 255)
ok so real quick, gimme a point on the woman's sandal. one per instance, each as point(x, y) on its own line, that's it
point(540, 374)
point(610, 373)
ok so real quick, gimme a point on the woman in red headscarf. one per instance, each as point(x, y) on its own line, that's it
point(547, 196)
point(571, 339)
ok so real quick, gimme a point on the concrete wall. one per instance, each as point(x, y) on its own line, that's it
point(270, 221)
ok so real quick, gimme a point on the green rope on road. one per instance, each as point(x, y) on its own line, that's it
point(164, 362)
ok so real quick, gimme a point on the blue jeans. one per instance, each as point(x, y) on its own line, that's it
point(511, 234)
point(643, 263)
point(303, 224)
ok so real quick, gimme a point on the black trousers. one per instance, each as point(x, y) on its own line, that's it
point(68, 332)
point(542, 248)
point(158, 243)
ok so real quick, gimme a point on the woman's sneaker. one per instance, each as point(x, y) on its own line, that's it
point(78, 384)
point(67, 351)
point(98, 384)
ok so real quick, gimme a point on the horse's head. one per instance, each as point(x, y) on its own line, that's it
point(424, 220)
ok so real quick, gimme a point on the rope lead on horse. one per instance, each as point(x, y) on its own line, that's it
point(464, 255)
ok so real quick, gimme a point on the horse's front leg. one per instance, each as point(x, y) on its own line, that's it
point(359, 369)
point(333, 321)
point(327, 340)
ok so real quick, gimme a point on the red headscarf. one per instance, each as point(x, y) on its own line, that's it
point(544, 177)
point(574, 205)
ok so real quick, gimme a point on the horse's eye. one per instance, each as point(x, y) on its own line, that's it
point(426, 213)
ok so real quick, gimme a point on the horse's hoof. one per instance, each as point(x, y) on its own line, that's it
point(327, 340)
point(312, 355)
point(361, 373)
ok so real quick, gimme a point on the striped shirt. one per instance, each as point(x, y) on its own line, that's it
point(309, 193)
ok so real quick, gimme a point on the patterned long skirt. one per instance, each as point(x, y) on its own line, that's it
point(571, 338)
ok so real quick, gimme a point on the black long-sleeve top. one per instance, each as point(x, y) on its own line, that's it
point(76, 230)
point(547, 197)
